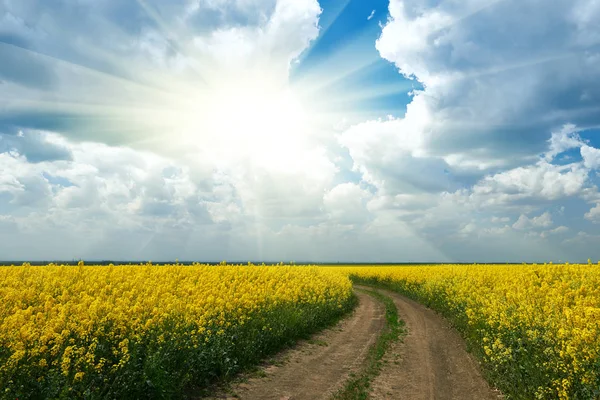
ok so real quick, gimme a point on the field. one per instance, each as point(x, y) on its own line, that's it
point(165, 331)
point(152, 331)
point(536, 328)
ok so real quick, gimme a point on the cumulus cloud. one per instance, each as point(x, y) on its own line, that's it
point(292, 190)
point(502, 98)
point(111, 185)
point(507, 87)
point(543, 180)
point(562, 140)
point(35, 146)
point(139, 197)
point(387, 154)
point(346, 203)
point(594, 214)
point(591, 157)
point(541, 221)
point(283, 30)
point(582, 240)
point(495, 86)
point(556, 231)
point(83, 88)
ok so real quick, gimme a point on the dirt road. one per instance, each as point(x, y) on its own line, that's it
point(431, 363)
point(317, 368)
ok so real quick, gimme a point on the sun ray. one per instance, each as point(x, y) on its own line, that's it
point(366, 93)
point(139, 72)
point(92, 71)
point(346, 61)
point(345, 118)
point(333, 73)
point(465, 16)
point(174, 39)
point(156, 109)
point(324, 28)
point(494, 70)
point(80, 108)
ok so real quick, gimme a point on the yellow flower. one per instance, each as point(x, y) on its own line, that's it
point(58, 317)
point(515, 313)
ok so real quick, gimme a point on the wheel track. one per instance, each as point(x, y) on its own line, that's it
point(433, 360)
point(315, 369)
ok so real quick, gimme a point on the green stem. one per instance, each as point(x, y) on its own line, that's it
point(358, 386)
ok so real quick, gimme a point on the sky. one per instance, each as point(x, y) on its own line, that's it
point(280, 130)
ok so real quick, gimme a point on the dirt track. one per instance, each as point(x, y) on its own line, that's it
point(431, 363)
point(315, 369)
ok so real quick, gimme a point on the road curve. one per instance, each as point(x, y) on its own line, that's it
point(431, 363)
point(315, 369)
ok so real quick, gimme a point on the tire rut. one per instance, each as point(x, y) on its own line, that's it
point(431, 363)
point(315, 369)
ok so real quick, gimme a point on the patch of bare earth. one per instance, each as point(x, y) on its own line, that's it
point(431, 363)
point(316, 368)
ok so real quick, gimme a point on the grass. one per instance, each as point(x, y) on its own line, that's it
point(358, 386)
point(256, 370)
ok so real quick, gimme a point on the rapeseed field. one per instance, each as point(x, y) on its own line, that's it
point(168, 331)
point(152, 331)
point(535, 328)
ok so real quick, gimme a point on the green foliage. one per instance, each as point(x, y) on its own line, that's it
point(357, 387)
point(172, 359)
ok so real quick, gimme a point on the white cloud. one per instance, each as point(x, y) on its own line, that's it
point(35, 146)
point(494, 84)
point(591, 157)
point(468, 229)
point(594, 214)
point(562, 140)
point(102, 190)
point(388, 155)
point(346, 203)
point(504, 82)
point(117, 187)
point(498, 93)
point(294, 190)
point(279, 38)
point(582, 239)
point(542, 221)
point(543, 180)
point(497, 231)
point(556, 231)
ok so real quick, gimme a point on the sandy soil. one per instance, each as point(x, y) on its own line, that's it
point(315, 369)
point(431, 362)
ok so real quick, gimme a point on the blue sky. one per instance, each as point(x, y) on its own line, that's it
point(339, 130)
point(351, 28)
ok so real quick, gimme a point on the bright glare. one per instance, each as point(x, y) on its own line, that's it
point(247, 118)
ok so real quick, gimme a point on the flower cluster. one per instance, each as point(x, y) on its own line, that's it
point(151, 330)
point(536, 328)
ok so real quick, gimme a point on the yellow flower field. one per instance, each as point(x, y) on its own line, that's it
point(536, 328)
point(162, 330)
point(152, 331)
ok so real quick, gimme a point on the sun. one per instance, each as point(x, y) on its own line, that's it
point(247, 117)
